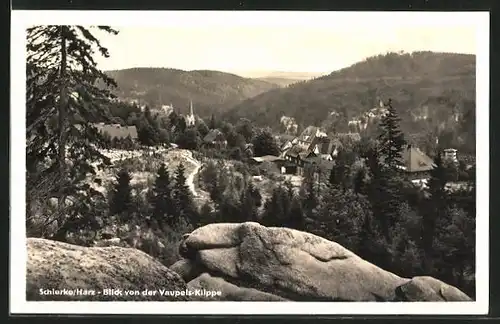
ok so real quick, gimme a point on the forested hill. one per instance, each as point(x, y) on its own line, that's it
point(424, 86)
point(209, 90)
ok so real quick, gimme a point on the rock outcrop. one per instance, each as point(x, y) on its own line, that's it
point(61, 271)
point(251, 262)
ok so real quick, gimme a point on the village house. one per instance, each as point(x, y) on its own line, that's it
point(308, 135)
point(325, 147)
point(215, 139)
point(450, 155)
point(298, 159)
point(285, 167)
point(417, 165)
point(314, 147)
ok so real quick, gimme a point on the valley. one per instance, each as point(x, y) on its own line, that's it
point(365, 172)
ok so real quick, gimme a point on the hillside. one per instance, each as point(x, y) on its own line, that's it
point(429, 90)
point(209, 90)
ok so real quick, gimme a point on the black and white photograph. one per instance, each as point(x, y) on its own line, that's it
point(225, 162)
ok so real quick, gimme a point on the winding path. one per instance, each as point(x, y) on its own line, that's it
point(190, 177)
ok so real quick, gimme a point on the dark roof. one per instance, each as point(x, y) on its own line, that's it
point(294, 151)
point(214, 135)
point(325, 145)
point(306, 154)
point(116, 130)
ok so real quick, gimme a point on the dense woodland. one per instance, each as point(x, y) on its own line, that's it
point(362, 203)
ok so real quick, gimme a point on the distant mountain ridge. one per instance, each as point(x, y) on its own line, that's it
point(283, 82)
point(294, 75)
point(210, 91)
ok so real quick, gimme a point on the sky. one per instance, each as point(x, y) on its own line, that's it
point(254, 42)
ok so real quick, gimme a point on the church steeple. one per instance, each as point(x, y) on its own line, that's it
point(190, 119)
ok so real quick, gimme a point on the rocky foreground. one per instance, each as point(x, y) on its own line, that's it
point(58, 271)
point(245, 262)
point(251, 262)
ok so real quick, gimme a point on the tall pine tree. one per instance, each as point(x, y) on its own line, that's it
point(391, 140)
point(162, 202)
point(183, 199)
point(386, 165)
point(64, 96)
point(121, 197)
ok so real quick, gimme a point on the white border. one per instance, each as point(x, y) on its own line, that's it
point(23, 19)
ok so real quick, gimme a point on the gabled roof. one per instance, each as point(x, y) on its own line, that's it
point(416, 160)
point(328, 146)
point(306, 154)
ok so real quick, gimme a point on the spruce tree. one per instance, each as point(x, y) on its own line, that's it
point(391, 140)
point(183, 200)
point(121, 196)
point(162, 202)
point(66, 92)
point(385, 191)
